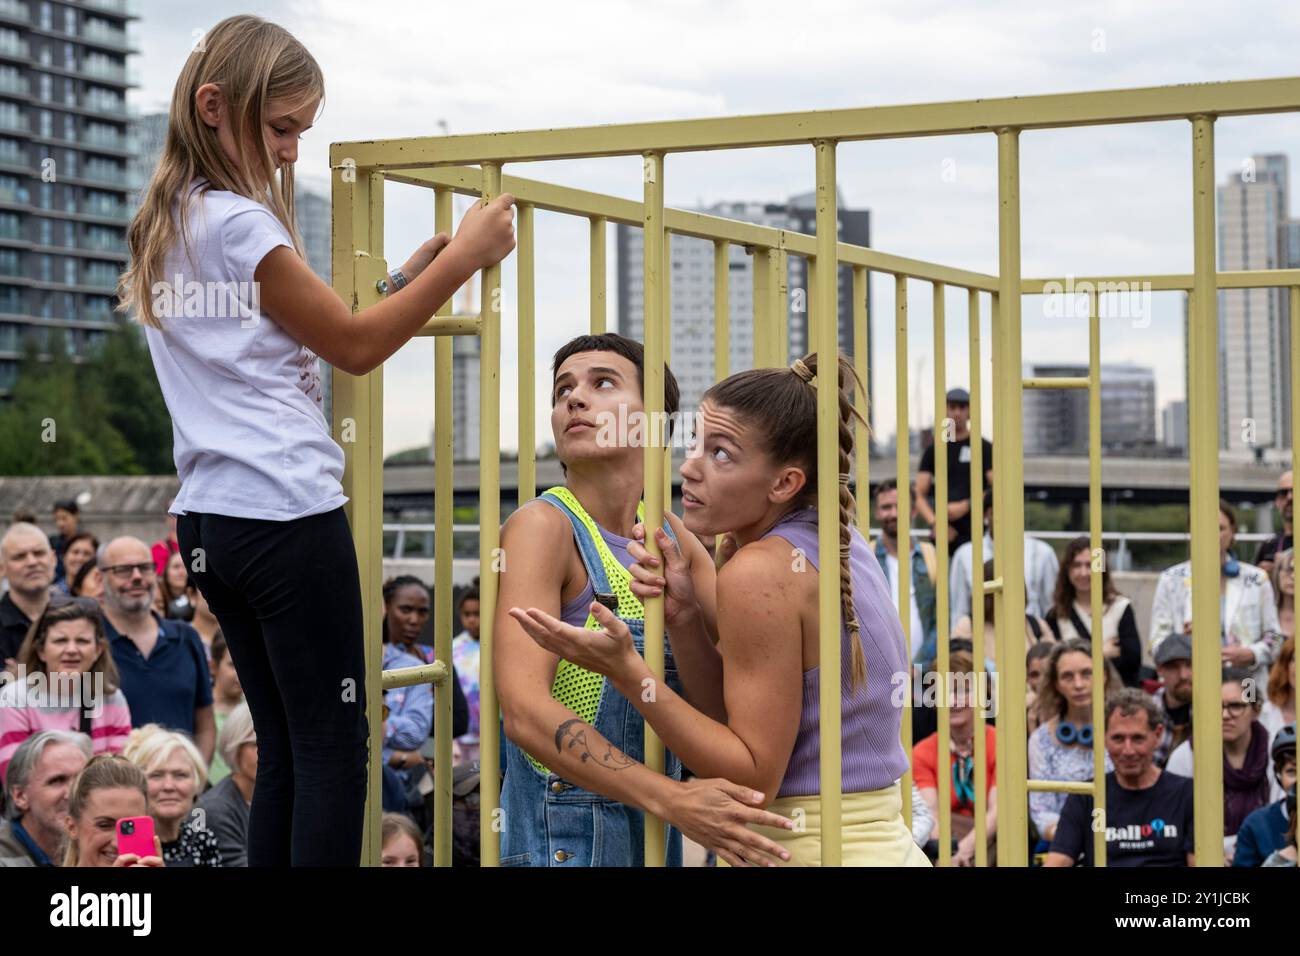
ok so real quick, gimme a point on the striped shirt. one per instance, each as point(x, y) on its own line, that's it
point(872, 755)
point(23, 712)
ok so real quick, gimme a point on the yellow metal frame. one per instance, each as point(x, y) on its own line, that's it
point(472, 165)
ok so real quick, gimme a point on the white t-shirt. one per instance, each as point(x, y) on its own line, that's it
point(250, 436)
point(918, 632)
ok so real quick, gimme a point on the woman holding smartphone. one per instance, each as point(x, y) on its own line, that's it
point(110, 788)
point(235, 321)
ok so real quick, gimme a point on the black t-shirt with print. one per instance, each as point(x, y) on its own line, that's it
point(1151, 827)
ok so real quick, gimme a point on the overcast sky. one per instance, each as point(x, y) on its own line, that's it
point(1093, 200)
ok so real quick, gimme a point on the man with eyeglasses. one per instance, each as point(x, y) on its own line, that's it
point(28, 562)
point(1247, 763)
point(1279, 542)
point(162, 663)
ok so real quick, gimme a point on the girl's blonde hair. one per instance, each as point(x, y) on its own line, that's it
point(252, 61)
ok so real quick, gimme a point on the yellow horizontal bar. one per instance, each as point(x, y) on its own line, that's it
point(1125, 285)
point(1085, 787)
point(993, 587)
point(682, 222)
point(1056, 382)
point(452, 325)
point(1105, 107)
point(435, 674)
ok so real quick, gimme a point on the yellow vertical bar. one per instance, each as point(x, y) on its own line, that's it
point(1009, 505)
point(763, 347)
point(1203, 439)
point(443, 549)
point(721, 310)
point(525, 251)
point(1098, 557)
point(1295, 364)
point(977, 574)
point(489, 537)
point(828, 499)
point(779, 265)
point(358, 225)
point(667, 460)
point(903, 469)
point(598, 300)
point(721, 326)
point(655, 311)
point(812, 303)
point(862, 435)
point(941, 576)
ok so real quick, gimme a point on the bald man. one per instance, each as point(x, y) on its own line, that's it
point(163, 664)
point(1279, 542)
point(28, 562)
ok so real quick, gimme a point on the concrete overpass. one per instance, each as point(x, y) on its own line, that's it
point(409, 488)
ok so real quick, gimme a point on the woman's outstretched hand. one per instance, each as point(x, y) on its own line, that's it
point(609, 651)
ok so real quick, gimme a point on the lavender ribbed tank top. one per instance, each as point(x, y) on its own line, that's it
point(872, 754)
point(575, 612)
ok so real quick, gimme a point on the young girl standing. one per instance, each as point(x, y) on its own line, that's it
point(235, 321)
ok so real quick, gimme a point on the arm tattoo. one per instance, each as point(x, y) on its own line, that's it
point(572, 735)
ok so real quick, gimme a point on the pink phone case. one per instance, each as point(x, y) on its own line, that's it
point(140, 838)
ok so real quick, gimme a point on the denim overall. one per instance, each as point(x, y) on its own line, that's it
point(549, 821)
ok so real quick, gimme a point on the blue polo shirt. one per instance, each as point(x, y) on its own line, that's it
point(171, 683)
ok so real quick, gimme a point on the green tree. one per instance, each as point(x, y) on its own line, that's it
point(60, 418)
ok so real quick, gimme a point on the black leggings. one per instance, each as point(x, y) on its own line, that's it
point(288, 597)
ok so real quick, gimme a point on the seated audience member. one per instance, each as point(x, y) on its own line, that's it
point(175, 773)
point(1040, 571)
point(1286, 856)
point(108, 789)
point(226, 805)
point(227, 694)
point(28, 561)
point(1036, 629)
point(960, 764)
point(78, 551)
point(1247, 768)
point(1035, 665)
point(40, 779)
point(1264, 831)
point(1148, 811)
point(165, 548)
point(1071, 613)
point(922, 563)
point(1250, 635)
point(172, 596)
point(1173, 698)
point(406, 612)
point(67, 519)
point(163, 664)
point(400, 841)
point(1266, 556)
point(89, 582)
point(67, 681)
point(1061, 746)
point(465, 657)
point(1279, 708)
point(1283, 579)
